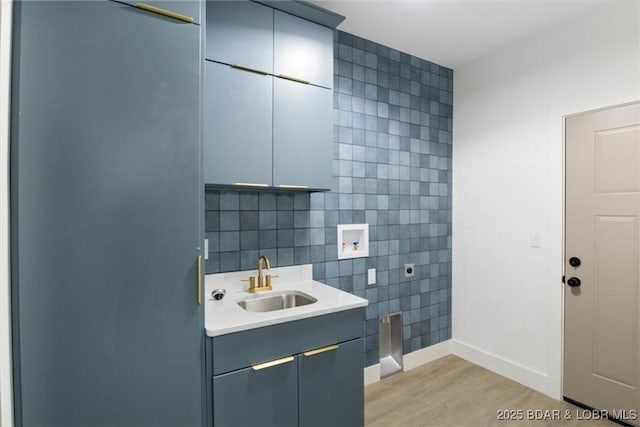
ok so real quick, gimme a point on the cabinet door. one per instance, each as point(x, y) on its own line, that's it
point(302, 135)
point(331, 386)
point(106, 207)
point(240, 32)
point(237, 126)
point(303, 50)
point(265, 397)
point(186, 8)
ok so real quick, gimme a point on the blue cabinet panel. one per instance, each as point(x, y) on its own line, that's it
point(241, 349)
point(302, 135)
point(306, 10)
point(106, 209)
point(303, 50)
point(331, 386)
point(240, 32)
point(248, 397)
point(237, 126)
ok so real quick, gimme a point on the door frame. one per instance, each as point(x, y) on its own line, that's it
point(564, 219)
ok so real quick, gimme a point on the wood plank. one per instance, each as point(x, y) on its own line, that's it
point(454, 392)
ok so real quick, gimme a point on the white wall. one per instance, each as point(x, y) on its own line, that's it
point(6, 412)
point(508, 180)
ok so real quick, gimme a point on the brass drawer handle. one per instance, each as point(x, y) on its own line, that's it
point(292, 186)
point(250, 184)
point(165, 12)
point(249, 69)
point(321, 350)
point(294, 79)
point(199, 281)
point(272, 363)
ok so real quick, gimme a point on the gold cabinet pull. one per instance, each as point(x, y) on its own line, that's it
point(165, 12)
point(272, 363)
point(249, 69)
point(321, 350)
point(294, 79)
point(292, 186)
point(250, 184)
point(199, 280)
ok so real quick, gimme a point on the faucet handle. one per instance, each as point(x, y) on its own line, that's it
point(252, 282)
point(268, 278)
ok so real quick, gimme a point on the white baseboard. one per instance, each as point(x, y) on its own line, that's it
point(521, 374)
point(412, 360)
point(425, 355)
point(371, 374)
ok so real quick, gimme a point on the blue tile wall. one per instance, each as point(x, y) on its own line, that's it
point(392, 170)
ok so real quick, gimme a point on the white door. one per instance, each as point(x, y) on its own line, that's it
point(602, 296)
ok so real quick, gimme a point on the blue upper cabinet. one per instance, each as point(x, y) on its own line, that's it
point(303, 50)
point(268, 113)
point(302, 131)
point(237, 126)
point(185, 10)
point(240, 33)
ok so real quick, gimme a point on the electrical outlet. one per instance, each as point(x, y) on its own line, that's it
point(409, 270)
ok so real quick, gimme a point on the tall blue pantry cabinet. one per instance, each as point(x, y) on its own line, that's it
point(106, 211)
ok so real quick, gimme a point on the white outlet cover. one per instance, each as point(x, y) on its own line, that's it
point(371, 276)
point(408, 267)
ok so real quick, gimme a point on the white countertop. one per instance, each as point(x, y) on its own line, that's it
point(226, 316)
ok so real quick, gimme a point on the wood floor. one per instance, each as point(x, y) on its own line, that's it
point(453, 392)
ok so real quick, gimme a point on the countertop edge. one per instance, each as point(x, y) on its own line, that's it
point(283, 319)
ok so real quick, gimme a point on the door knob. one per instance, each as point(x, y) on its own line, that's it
point(574, 282)
point(574, 261)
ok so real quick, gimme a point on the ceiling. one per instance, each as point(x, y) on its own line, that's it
point(454, 32)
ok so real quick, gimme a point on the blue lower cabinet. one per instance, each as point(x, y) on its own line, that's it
point(330, 385)
point(307, 372)
point(257, 396)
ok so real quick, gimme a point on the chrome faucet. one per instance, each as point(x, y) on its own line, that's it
point(264, 281)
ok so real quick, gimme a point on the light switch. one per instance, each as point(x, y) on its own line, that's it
point(535, 240)
point(206, 249)
point(371, 276)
